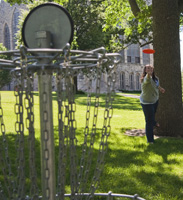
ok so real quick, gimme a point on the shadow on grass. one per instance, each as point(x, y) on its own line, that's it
point(9, 163)
point(131, 165)
point(9, 155)
point(148, 170)
point(119, 102)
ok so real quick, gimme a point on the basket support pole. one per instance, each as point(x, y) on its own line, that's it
point(46, 123)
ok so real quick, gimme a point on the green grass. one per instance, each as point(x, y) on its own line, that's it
point(155, 172)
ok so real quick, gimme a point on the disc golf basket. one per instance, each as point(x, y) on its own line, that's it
point(47, 32)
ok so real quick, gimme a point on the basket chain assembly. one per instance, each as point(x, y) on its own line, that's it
point(21, 182)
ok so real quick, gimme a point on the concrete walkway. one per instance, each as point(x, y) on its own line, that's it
point(130, 95)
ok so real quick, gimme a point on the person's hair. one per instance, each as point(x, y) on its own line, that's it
point(144, 74)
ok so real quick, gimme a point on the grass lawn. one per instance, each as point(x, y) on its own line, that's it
point(154, 172)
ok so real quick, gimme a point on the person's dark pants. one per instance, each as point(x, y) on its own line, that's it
point(149, 113)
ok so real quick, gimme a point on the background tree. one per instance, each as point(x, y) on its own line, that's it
point(136, 18)
point(166, 18)
point(88, 20)
point(129, 19)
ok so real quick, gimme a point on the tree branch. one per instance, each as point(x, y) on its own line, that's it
point(146, 43)
point(134, 7)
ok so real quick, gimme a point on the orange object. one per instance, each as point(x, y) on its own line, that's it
point(149, 51)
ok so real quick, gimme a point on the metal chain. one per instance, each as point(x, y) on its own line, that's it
point(95, 116)
point(85, 147)
point(28, 103)
point(1, 192)
point(66, 130)
point(19, 128)
point(111, 79)
point(5, 160)
point(63, 139)
point(70, 124)
point(70, 108)
point(88, 158)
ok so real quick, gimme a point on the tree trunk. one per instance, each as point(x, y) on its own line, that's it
point(167, 65)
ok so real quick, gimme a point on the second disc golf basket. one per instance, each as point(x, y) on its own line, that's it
point(47, 32)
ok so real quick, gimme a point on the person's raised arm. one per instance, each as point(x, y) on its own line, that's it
point(162, 90)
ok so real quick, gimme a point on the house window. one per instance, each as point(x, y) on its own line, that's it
point(138, 82)
point(6, 37)
point(133, 51)
point(129, 59)
point(137, 59)
point(122, 81)
point(131, 78)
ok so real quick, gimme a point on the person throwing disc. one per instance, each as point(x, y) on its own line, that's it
point(149, 99)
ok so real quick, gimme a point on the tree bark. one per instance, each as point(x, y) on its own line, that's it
point(167, 65)
point(180, 6)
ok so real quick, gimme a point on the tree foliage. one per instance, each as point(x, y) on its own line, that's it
point(136, 26)
point(12, 2)
point(134, 19)
point(88, 18)
point(103, 22)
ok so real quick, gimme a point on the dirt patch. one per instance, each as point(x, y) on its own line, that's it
point(137, 132)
